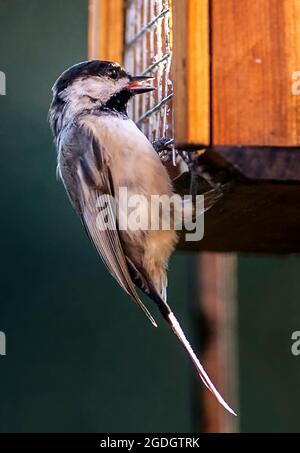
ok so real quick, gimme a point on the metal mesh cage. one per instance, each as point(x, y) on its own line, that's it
point(148, 51)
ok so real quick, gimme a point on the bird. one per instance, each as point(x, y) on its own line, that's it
point(100, 150)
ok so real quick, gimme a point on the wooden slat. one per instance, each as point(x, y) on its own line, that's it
point(198, 72)
point(255, 50)
point(217, 280)
point(179, 74)
point(106, 28)
point(191, 72)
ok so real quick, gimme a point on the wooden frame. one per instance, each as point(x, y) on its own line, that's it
point(191, 69)
point(106, 30)
point(255, 57)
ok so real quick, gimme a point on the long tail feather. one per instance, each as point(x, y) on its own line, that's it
point(160, 299)
point(169, 316)
point(201, 371)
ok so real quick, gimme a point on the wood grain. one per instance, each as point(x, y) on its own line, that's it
point(255, 50)
point(198, 72)
point(191, 72)
point(106, 30)
point(217, 275)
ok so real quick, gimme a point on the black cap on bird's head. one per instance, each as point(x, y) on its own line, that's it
point(99, 81)
point(92, 68)
point(93, 85)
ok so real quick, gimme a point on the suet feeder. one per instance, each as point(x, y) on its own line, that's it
point(227, 83)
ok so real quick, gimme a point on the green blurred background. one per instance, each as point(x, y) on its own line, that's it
point(80, 355)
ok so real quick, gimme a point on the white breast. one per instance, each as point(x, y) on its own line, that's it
point(132, 159)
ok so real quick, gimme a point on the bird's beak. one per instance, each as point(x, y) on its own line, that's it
point(140, 84)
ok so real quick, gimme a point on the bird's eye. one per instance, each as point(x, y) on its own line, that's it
point(113, 73)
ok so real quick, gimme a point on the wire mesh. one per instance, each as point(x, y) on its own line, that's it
point(148, 51)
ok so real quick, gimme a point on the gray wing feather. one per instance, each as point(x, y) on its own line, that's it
point(86, 177)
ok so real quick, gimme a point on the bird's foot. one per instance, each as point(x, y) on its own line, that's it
point(163, 144)
point(170, 157)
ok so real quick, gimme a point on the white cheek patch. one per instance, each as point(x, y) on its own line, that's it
point(96, 87)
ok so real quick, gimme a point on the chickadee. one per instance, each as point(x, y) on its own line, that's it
point(99, 150)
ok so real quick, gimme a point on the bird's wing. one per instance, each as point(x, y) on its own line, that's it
point(89, 184)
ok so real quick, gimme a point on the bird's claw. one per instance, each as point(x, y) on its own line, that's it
point(163, 144)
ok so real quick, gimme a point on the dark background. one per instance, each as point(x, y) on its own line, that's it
point(80, 355)
point(268, 313)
